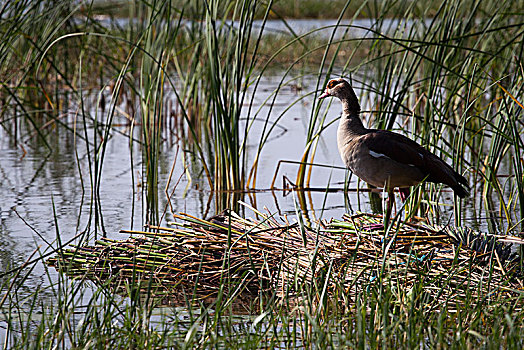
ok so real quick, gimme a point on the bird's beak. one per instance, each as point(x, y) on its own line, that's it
point(324, 95)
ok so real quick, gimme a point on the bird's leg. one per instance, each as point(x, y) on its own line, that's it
point(404, 193)
point(389, 206)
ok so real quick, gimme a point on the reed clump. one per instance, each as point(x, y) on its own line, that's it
point(228, 253)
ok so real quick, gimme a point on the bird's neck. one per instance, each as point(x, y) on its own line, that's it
point(350, 105)
point(349, 128)
point(350, 121)
point(350, 125)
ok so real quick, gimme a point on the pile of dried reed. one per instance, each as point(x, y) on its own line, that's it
point(266, 255)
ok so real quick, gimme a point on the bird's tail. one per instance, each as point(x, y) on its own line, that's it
point(460, 191)
point(461, 188)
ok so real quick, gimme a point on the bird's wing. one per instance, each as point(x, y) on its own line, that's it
point(406, 151)
point(397, 147)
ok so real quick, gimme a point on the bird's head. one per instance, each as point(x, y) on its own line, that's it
point(341, 89)
point(336, 88)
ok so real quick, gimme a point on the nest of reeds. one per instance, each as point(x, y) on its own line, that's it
point(230, 253)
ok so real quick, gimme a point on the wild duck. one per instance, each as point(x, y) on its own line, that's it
point(383, 158)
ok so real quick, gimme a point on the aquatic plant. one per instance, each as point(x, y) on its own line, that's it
point(338, 284)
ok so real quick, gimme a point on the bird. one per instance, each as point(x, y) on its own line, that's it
point(383, 158)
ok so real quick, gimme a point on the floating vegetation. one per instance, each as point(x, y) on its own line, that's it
point(267, 256)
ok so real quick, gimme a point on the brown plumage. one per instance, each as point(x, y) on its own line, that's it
point(383, 158)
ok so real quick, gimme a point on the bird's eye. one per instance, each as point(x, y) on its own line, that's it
point(331, 84)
